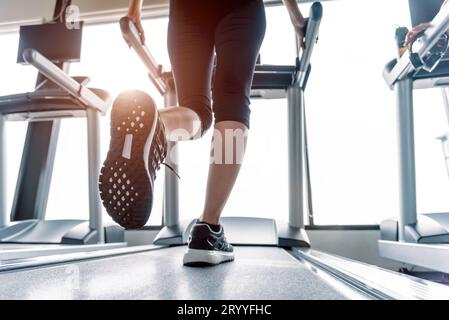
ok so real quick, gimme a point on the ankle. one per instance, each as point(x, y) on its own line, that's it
point(215, 226)
point(209, 219)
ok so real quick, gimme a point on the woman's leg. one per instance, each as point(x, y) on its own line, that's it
point(228, 149)
point(181, 123)
point(238, 38)
point(191, 51)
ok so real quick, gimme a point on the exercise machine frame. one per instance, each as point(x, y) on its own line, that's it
point(57, 96)
point(421, 240)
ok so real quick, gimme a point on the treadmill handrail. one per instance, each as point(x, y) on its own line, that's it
point(311, 38)
point(64, 81)
point(131, 36)
point(47, 96)
point(404, 66)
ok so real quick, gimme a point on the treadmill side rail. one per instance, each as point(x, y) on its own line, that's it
point(377, 282)
point(431, 256)
point(58, 232)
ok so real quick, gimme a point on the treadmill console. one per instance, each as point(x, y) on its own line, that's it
point(53, 40)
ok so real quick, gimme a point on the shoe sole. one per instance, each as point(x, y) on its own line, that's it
point(126, 188)
point(204, 258)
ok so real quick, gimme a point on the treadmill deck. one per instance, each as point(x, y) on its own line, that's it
point(257, 273)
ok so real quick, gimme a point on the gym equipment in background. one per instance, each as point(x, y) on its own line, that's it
point(421, 240)
point(56, 96)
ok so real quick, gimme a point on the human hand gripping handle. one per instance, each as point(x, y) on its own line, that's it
point(301, 31)
point(417, 30)
point(297, 19)
point(135, 14)
point(132, 37)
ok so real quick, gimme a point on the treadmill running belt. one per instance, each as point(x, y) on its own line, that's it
point(258, 273)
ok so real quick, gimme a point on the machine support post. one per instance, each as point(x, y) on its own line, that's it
point(296, 145)
point(407, 171)
point(171, 186)
point(445, 92)
point(36, 169)
point(3, 215)
point(93, 144)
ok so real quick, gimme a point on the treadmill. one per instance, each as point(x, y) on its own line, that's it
point(277, 264)
point(50, 48)
point(420, 240)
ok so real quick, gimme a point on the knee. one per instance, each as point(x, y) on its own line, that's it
point(232, 107)
point(206, 119)
point(202, 107)
point(206, 122)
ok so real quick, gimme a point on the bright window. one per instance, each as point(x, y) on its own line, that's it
point(352, 119)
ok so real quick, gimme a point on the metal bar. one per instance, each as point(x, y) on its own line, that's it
point(46, 115)
point(3, 216)
point(61, 79)
point(440, 25)
point(94, 158)
point(428, 83)
point(41, 261)
point(313, 27)
point(131, 36)
point(273, 68)
point(308, 178)
point(445, 138)
point(373, 280)
point(431, 256)
point(407, 171)
point(445, 92)
point(296, 124)
point(295, 98)
point(36, 96)
point(36, 169)
point(171, 187)
point(37, 250)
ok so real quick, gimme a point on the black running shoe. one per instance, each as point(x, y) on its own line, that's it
point(207, 247)
point(138, 147)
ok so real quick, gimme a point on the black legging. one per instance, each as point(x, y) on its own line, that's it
point(236, 29)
